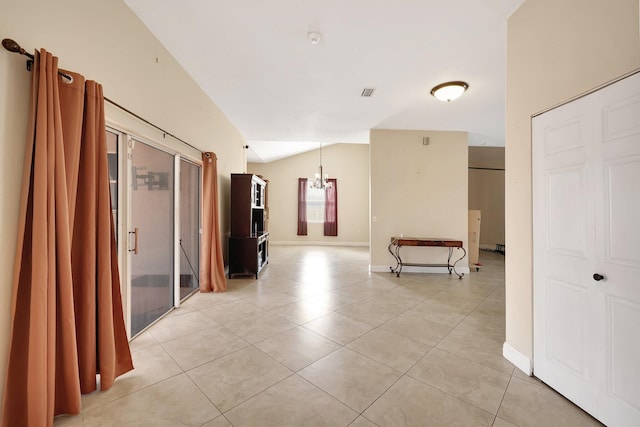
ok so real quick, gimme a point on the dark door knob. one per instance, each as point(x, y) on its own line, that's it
point(597, 277)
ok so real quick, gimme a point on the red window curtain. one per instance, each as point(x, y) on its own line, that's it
point(212, 278)
point(331, 208)
point(67, 323)
point(302, 206)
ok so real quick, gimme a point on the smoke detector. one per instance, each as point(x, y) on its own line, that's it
point(314, 37)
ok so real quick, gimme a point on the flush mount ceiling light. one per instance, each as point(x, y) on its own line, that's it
point(314, 37)
point(449, 91)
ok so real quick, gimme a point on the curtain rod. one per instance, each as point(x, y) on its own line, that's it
point(486, 169)
point(13, 46)
point(164, 132)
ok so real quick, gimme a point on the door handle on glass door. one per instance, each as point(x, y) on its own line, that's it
point(598, 277)
point(135, 241)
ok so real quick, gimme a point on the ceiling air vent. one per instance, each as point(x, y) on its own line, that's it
point(367, 92)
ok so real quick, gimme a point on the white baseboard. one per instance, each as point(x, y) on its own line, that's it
point(410, 269)
point(316, 243)
point(520, 361)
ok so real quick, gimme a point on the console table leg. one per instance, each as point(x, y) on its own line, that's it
point(396, 255)
point(454, 264)
point(399, 261)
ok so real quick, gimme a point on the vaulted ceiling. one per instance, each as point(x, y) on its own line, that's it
point(287, 95)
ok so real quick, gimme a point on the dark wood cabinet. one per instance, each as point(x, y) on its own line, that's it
point(249, 241)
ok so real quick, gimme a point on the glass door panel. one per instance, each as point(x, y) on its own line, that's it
point(112, 156)
point(189, 227)
point(151, 235)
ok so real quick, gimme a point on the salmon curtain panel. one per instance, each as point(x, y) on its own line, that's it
point(212, 278)
point(302, 206)
point(68, 323)
point(331, 208)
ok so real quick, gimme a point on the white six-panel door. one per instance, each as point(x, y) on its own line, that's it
point(586, 198)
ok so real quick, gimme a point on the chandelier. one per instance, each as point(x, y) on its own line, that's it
point(321, 179)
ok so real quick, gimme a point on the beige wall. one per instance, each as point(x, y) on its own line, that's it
point(106, 42)
point(486, 157)
point(555, 51)
point(349, 164)
point(486, 192)
point(417, 190)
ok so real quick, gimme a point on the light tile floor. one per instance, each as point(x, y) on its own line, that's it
point(320, 341)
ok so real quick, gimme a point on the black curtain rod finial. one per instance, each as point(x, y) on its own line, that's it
point(12, 46)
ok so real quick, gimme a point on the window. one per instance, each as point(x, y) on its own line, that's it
point(315, 205)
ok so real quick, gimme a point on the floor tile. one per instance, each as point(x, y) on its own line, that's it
point(393, 350)
point(396, 299)
point(300, 312)
point(205, 346)
point(220, 421)
point(259, 327)
point(269, 300)
point(279, 283)
point(468, 291)
point(418, 329)
point(517, 373)
point(376, 283)
point(362, 422)
point(151, 365)
point(234, 378)
point(412, 403)
point(142, 341)
point(490, 310)
point(358, 292)
point(445, 313)
point(499, 422)
point(179, 326)
point(351, 378)
point(297, 348)
point(488, 327)
point(476, 348)
point(457, 299)
point(528, 405)
point(68, 421)
point(231, 311)
point(475, 384)
point(292, 402)
point(183, 309)
point(201, 300)
point(332, 300)
point(498, 295)
point(246, 287)
point(361, 277)
point(370, 312)
point(176, 401)
point(338, 327)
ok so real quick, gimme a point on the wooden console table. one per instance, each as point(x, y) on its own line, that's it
point(398, 242)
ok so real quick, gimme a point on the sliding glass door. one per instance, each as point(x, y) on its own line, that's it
point(151, 235)
point(113, 144)
point(155, 196)
point(189, 239)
